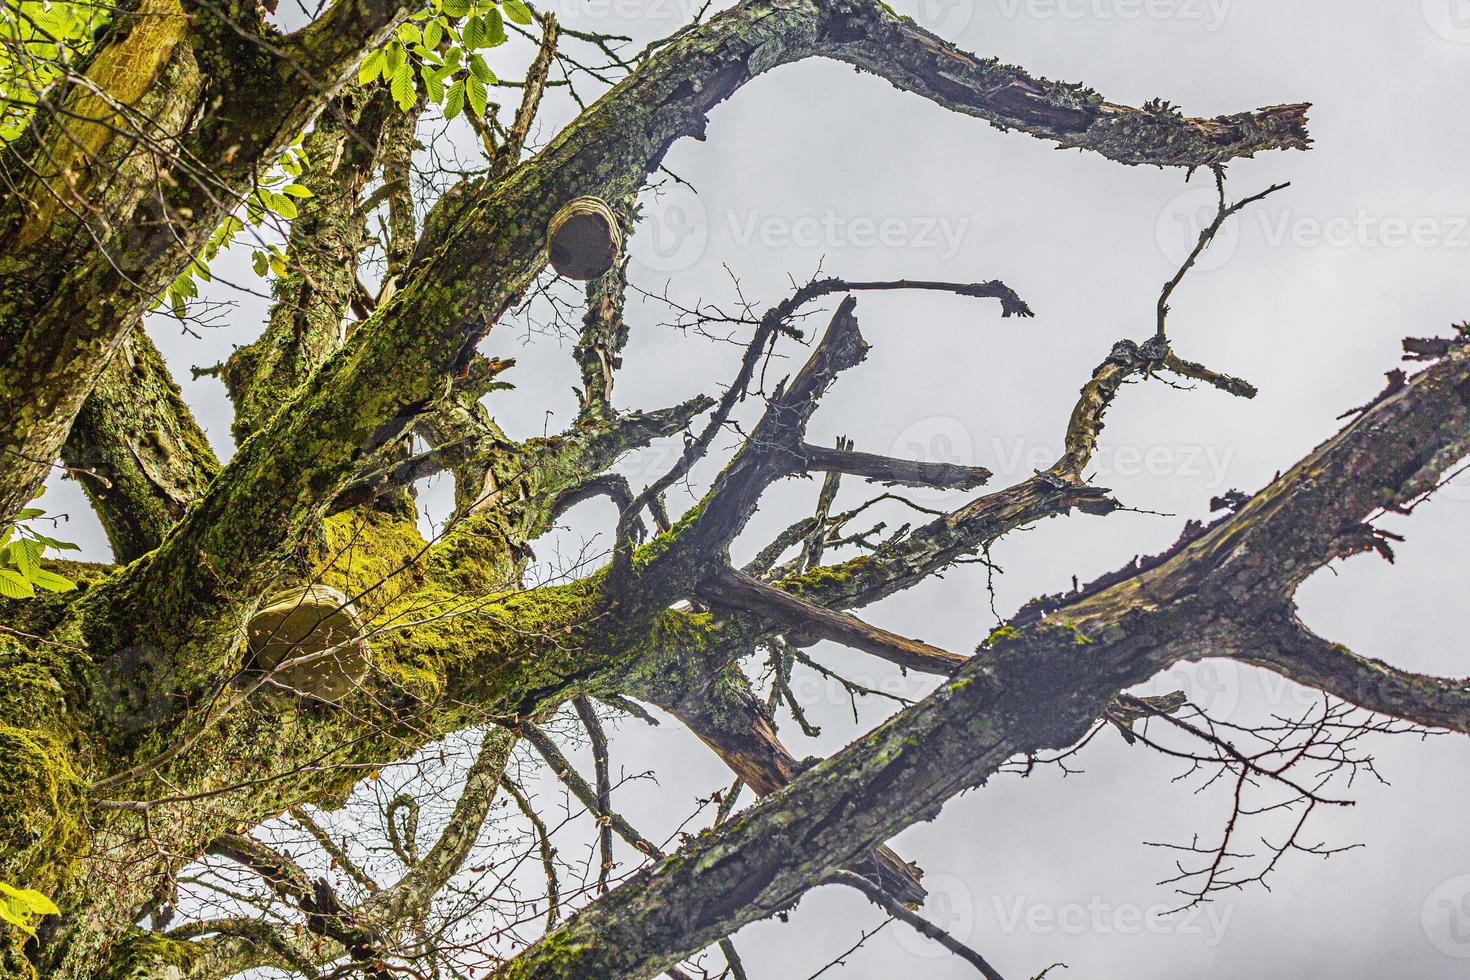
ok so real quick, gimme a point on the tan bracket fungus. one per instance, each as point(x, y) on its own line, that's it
point(583, 239)
point(310, 639)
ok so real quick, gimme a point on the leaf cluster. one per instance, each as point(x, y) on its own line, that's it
point(22, 907)
point(21, 550)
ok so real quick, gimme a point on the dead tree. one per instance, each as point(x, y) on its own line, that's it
point(144, 737)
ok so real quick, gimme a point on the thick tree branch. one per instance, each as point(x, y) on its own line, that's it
point(113, 208)
point(327, 238)
point(1282, 643)
point(893, 471)
point(1039, 686)
point(137, 451)
point(710, 695)
point(454, 293)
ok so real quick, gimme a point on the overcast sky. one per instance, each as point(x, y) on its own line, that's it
point(1306, 295)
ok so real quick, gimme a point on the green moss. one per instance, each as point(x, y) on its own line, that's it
point(371, 557)
point(659, 546)
point(1045, 633)
point(41, 795)
point(1003, 634)
point(1077, 636)
point(827, 583)
point(687, 632)
point(147, 956)
point(561, 953)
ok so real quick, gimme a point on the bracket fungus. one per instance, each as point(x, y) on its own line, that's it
point(583, 239)
point(309, 639)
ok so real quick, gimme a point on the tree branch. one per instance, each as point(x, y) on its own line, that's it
point(1034, 687)
point(737, 591)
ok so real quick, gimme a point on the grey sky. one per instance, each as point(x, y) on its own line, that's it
point(1306, 295)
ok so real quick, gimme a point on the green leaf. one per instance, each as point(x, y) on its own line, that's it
point(370, 67)
point(15, 917)
point(297, 190)
point(393, 56)
point(53, 543)
point(473, 33)
point(454, 99)
point(259, 263)
point(52, 582)
point(13, 585)
point(409, 33)
point(280, 204)
point(495, 28)
point(455, 8)
point(475, 92)
point(402, 87)
point(480, 70)
point(433, 33)
point(22, 906)
point(25, 555)
point(517, 11)
point(33, 899)
point(433, 84)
